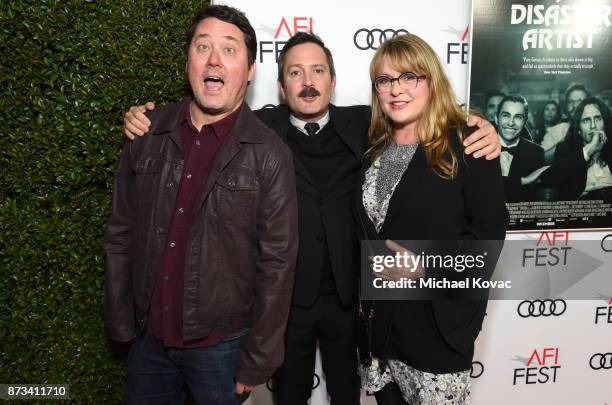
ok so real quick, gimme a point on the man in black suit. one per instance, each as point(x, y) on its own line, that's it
point(519, 157)
point(327, 142)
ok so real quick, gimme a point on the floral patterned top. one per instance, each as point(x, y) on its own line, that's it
point(382, 177)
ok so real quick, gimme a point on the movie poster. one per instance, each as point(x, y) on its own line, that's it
point(542, 72)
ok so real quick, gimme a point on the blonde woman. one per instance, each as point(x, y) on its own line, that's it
point(417, 184)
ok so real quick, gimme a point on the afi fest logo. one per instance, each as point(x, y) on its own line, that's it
point(603, 314)
point(541, 367)
point(458, 51)
point(285, 29)
point(547, 253)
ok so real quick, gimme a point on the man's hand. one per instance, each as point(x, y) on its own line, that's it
point(596, 144)
point(136, 122)
point(484, 141)
point(533, 176)
point(242, 388)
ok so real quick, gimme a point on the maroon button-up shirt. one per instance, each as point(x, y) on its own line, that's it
point(165, 320)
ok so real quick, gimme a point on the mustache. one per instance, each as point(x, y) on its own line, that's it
point(309, 92)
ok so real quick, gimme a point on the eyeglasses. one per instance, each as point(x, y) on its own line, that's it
point(406, 81)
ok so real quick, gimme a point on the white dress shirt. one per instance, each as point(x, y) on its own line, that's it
point(299, 124)
point(505, 158)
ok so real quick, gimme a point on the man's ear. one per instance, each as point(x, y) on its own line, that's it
point(251, 72)
point(281, 89)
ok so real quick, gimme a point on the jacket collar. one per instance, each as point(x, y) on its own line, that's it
point(169, 120)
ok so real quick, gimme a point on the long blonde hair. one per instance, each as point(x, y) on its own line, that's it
point(410, 53)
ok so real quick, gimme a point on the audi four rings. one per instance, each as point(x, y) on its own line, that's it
point(365, 38)
point(600, 361)
point(537, 308)
point(315, 384)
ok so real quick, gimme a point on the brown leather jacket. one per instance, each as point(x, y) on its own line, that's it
point(242, 248)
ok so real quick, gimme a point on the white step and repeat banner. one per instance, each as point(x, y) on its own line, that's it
point(530, 352)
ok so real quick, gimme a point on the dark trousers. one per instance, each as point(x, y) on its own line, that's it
point(163, 375)
point(333, 325)
point(390, 395)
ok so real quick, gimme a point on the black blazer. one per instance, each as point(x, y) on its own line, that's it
point(528, 157)
point(436, 336)
point(332, 205)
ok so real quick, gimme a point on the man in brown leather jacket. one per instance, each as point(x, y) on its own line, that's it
point(202, 241)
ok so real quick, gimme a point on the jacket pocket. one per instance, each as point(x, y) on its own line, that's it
point(237, 191)
point(238, 180)
point(147, 164)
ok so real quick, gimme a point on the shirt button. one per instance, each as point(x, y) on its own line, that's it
point(181, 210)
point(165, 308)
point(198, 142)
point(166, 278)
point(169, 185)
point(172, 244)
point(188, 175)
point(159, 230)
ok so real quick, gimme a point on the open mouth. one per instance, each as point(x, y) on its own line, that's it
point(213, 83)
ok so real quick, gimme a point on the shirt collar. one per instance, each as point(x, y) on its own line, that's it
point(503, 143)
point(220, 128)
point(299, 124)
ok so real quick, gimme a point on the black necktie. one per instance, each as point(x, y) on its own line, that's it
point(311, 128)
point(511, 150)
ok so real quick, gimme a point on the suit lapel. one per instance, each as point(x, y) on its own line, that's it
point(407, 186)
point(350, 136)
point(517, 161)
point(280, 124)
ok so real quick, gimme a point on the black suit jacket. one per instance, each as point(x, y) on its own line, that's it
point(528, 157)
point(436, 336)
point(332, 204)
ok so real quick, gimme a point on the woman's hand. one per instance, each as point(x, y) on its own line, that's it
point(401, 268)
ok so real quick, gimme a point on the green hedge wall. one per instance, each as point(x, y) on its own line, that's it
point(70, 70)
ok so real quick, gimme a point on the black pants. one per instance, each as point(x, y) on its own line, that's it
point(333, 325)
point(390, 395)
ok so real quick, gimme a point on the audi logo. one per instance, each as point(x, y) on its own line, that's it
point(317, 380)
point(600, 361)
point(372, 38)
point(606, 247)
point(477, 369)
point(315, 384)
point(544, 308)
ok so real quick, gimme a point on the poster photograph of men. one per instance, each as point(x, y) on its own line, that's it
point(540, 72)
